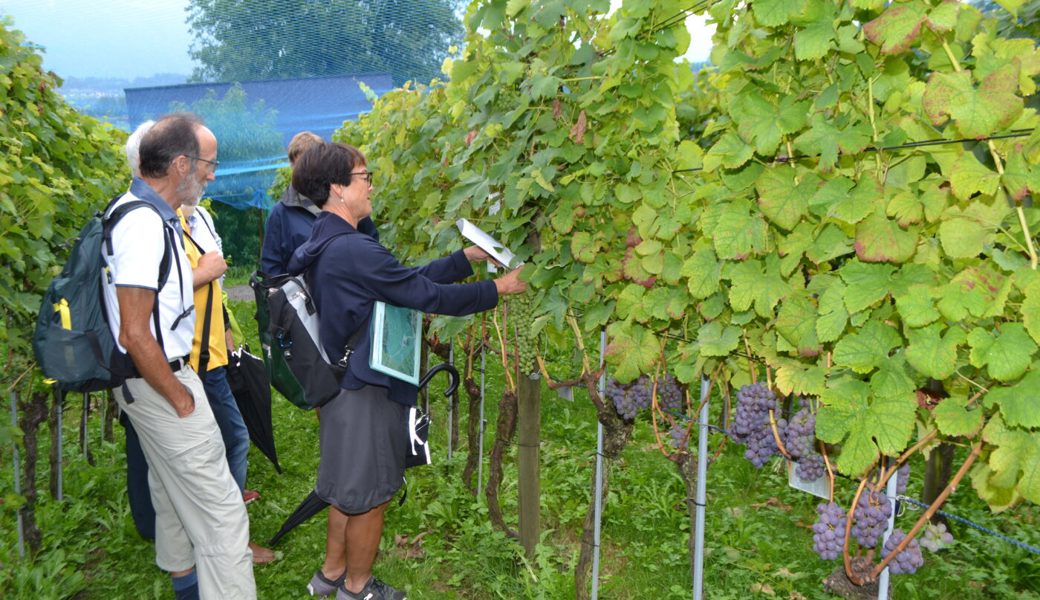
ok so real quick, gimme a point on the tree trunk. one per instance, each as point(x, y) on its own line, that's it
point(937, 472)
point(529, 412)
point(54, 426)
point(687, 465)
point(473, 454)
point(616, 433)
point(503, 437)
point(34, 412)
point(111, 412)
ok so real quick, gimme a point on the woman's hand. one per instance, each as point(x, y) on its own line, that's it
point(476, 254)
point(510, 283)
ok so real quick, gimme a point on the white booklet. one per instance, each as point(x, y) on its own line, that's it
point(488, 244)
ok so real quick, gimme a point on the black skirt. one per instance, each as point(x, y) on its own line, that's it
point(364, 441)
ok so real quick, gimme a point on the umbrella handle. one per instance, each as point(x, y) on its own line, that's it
point(453, 377)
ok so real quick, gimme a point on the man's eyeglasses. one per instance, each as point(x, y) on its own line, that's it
point(367, 176)
point(215, 163)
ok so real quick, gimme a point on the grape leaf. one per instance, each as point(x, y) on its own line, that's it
point(1016, 457)
point(796, 322)
point(763, 123)
point(859, 202)
point(975, 112)
point(1006, 355)
point(815, 41)
point(964, 233)
point(896, 29)
point(933, 354)
point(1017, 403)
point(689, 155)
point(879, 239)
point(1011, 6)
point(738, 233)
point(867, 283)
point(771, 13)
point(917, 307)
point(864, 350)
point(796, 377)
point(716, 340)
point(830, 244)
point(969, 176)
point(782, 201)
point(892, 378)
point(634, 348)
point(1030, 310)
point(751, 281)
point(729, 152)
point(864, 424)
point(833, 315)
point(702, 271)
point(953, 417)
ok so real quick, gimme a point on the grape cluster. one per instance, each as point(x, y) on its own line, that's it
point(902, 478)
point(800, 436)
point(811, 467)
point(669, 394)
point(907, 561)
point(679, 436)
point(872, 513)
point(936, 537)
point(829, 531)
point(521, 314)
point(761, 445)
point(751, 423)
point(629, 398)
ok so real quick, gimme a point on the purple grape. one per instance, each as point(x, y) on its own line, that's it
point(902, 478)
point(679, 436)
point(907, 561)
point(811, 467)
point(628, 398)
point(670, 394)
point(871, 519)
point(829, 531)
point(800, 439)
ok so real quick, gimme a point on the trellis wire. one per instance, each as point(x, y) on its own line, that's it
point(907, 146)
point(963, 521)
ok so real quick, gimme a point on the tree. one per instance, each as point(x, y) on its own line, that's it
point(242, 40)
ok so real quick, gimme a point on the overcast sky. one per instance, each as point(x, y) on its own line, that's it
point(135, 38)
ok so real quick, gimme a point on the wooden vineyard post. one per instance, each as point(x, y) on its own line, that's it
point(529, 412)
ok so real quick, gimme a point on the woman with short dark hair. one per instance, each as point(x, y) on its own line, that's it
point(364, 429)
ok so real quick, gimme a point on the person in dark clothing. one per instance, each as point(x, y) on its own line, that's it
point(289, 224)
point(363, 432)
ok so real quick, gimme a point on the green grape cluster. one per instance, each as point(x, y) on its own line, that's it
point(521, 316)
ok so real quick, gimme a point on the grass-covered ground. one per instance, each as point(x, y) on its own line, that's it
point(440, 543)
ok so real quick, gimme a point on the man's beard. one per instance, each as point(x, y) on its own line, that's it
point(191, 190)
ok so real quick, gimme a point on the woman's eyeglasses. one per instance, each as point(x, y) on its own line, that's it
point(367, 176)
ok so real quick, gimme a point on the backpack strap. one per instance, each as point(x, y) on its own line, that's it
point(109, 218)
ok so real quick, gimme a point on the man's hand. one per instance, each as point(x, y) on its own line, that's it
point(510, 283)
point(211, 266)
point(135, 334)
point(183, 407)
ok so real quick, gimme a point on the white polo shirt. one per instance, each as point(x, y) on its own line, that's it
point(137, 250)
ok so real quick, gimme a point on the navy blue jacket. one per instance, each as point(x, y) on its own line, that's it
point(288, 227)
point(349, 273)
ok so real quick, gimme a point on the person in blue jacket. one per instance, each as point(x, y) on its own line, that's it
point(289, 224)
point(363, 431)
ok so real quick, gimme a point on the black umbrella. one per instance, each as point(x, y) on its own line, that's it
point(247, 377)
point(312, 504)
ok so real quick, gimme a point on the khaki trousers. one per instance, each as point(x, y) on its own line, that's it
point(200, 519)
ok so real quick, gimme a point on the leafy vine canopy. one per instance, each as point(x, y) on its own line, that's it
point(844, 196)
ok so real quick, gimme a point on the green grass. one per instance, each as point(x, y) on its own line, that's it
point(440, 544)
